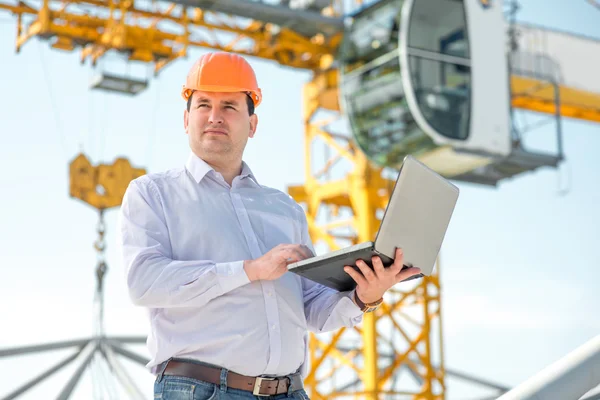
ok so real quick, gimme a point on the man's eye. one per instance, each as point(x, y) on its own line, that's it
point(202, 105)
point(230, 107)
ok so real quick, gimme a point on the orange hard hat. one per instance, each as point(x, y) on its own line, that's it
point(222, 72)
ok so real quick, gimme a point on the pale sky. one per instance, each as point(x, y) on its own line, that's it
point(519, 263)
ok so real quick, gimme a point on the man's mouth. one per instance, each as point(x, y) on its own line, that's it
point(215, 132)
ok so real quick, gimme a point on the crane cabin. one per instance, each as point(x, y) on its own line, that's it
point(431, 78)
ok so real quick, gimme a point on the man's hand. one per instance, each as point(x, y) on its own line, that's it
point(371, 285)
point(273, 264)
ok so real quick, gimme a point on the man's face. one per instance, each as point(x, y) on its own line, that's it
point(218, 125)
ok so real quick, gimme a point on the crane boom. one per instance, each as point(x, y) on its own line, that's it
point(305, 22)
point(141, 33)
point(548, 63)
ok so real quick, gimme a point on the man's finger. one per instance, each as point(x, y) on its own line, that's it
point(407, 273)
point(309, 251)
point(358, 278)
point(306, 251)
point(398, 261)
point(296, 250)
point(289, 256)
point(366, 270)
point(295, 254)
point(378, 266)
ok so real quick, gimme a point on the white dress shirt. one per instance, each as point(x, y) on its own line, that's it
point(184, 235)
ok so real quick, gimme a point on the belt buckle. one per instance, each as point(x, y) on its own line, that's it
point(257, 384)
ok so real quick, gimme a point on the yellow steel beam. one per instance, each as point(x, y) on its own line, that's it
point(540, 96)
point(367, 228)
point(18, 9)
point(137, 31)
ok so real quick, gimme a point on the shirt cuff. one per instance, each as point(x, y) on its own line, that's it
point(231, 275)
point(348, 308)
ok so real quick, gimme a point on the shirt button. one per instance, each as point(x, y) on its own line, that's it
point(274, 327)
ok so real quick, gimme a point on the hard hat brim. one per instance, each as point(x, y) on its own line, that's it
point(255, 95)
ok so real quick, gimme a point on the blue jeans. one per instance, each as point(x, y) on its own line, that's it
point(170, 387)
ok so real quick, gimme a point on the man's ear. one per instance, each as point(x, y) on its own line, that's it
point(253, 125)
point(186, 117)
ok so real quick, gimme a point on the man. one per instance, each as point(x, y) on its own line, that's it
point(206, 248)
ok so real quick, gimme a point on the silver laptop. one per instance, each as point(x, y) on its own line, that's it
point(416, 219)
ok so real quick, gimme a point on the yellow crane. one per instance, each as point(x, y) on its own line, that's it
point(439, 79)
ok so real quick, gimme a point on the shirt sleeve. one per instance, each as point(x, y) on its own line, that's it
point(326, 309)
point(153, 278)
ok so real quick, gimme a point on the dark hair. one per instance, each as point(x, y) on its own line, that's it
point(249, 102)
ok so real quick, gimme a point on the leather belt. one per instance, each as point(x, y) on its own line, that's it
point(259, 386)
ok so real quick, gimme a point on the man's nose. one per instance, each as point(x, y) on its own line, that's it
point(215, 117)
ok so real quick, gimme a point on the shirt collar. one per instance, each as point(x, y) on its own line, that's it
point(199, 168)
point(247, 172)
